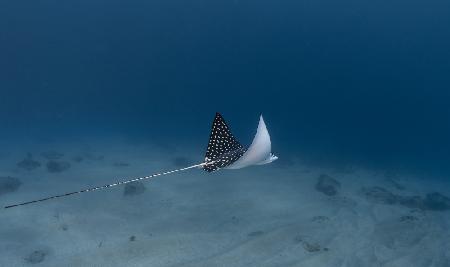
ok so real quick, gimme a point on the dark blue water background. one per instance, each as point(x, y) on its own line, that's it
point(339, 82)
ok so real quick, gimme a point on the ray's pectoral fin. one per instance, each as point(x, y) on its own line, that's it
point(222, 148)
point(259, 152)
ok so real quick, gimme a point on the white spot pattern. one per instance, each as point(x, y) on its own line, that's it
point(223, 148)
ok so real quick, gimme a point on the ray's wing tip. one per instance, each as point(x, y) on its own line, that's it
point(261, 119)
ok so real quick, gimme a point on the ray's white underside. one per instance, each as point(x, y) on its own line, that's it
point(259, 152)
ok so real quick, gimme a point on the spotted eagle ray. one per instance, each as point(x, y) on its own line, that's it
point(223, 152)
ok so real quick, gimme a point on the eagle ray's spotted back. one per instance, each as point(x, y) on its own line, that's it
point(223, 148)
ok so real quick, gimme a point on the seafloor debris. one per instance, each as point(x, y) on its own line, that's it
point(36, 257)
point(132, 238)
point(413, 202)
point(9, 184)
point(54, 166)
point(308, 245)
point(311, 247)
point(28, 163)
point(436, 201)
point(379, 195)
point(433, 201)
point(134, 188)
point(64, 227)
point(327, 185)
point(320, 219)
point(52, 155)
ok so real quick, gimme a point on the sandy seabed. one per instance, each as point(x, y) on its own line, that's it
point(273, 215)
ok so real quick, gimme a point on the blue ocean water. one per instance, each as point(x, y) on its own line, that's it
point(339, 83)
point(354, 80)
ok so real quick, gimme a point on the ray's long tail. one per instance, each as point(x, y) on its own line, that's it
point(201, 165)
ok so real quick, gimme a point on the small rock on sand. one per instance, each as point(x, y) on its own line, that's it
point(311, 247)
point(134, 188)
point(57, 166)
point(327, 185)
point(9, 184)
point(436, 201)
point(28, 163)
point(37, 256)
point(413, 202)
point(308, 245)
point(379, 195)
point(320, 219)
point(432, 201)
point(64, 227)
